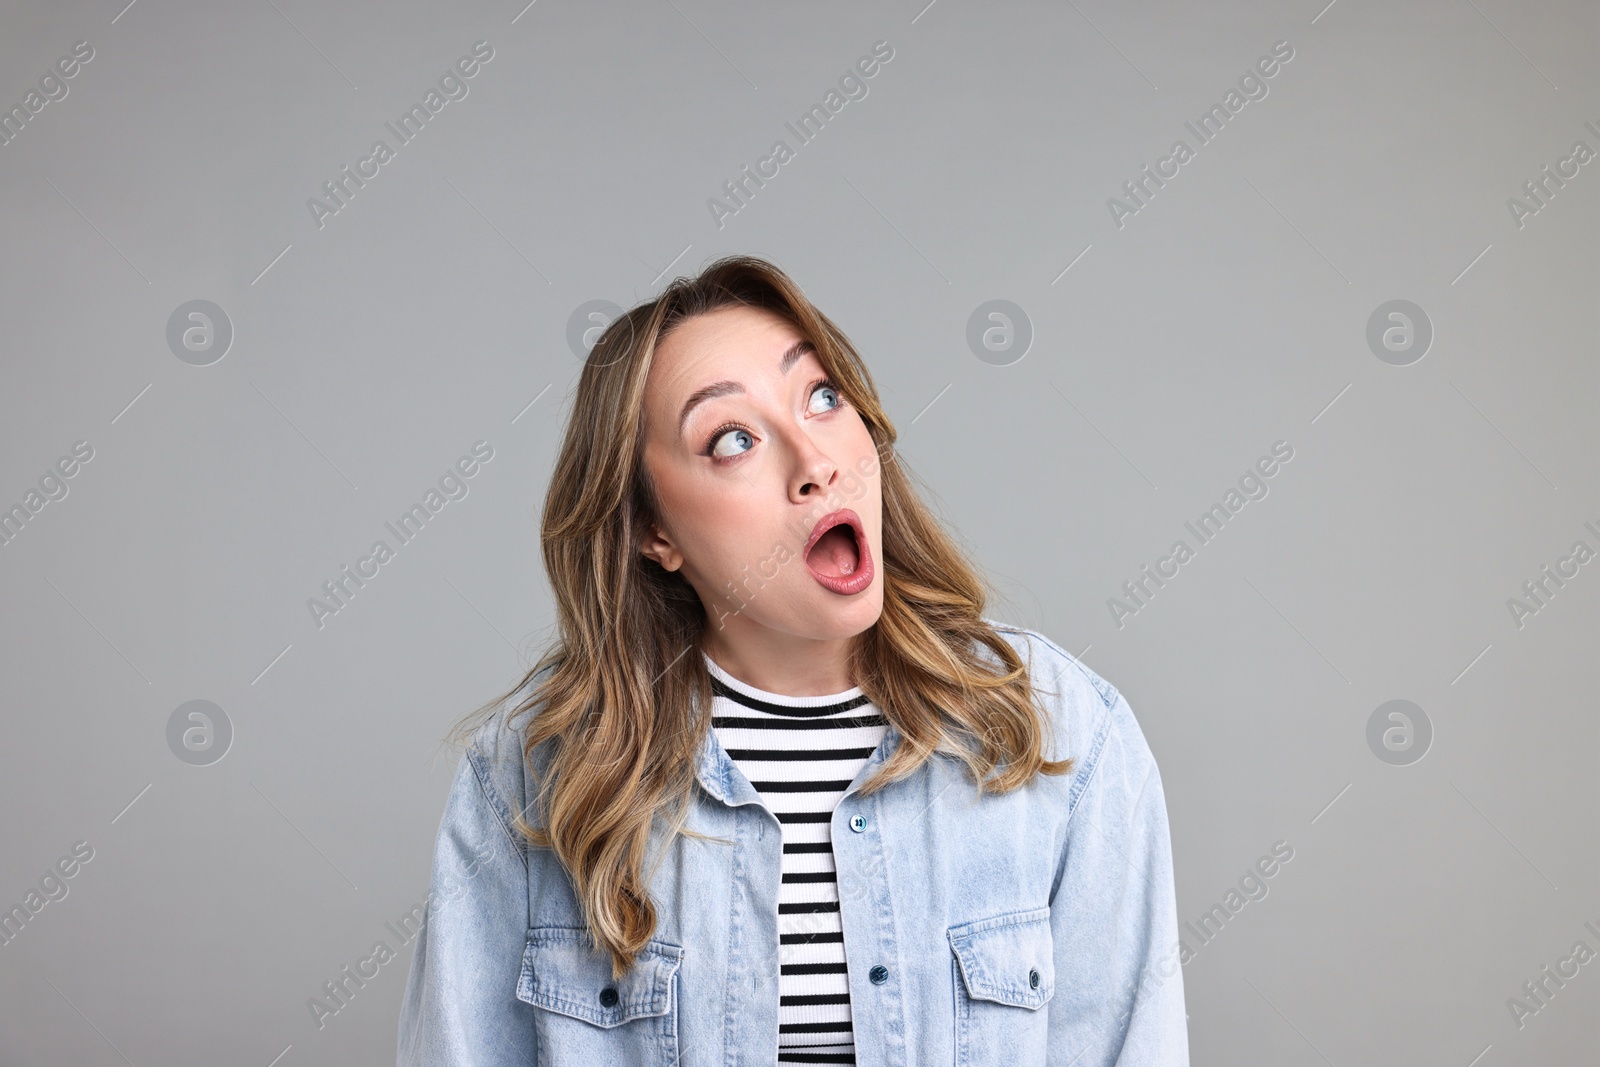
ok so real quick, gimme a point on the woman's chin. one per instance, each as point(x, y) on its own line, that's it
point(845, 616)
point(817, 614)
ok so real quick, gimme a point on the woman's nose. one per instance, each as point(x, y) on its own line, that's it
point(815, 470)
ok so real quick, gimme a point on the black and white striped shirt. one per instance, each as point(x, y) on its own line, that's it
point(801, 754)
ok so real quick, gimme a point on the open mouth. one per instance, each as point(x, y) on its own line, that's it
point(837, 554)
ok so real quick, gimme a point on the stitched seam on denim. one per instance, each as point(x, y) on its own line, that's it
point(1001, 921)
point(963, 1008)
point(1090, 765)
point(477, 761)
point(729, 1010)
point(654, 948)
point(1091, 762)
point(585, 1011)
point(1104, 689)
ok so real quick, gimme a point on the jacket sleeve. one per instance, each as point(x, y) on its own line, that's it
point(460, 1007)
point(1119, 979)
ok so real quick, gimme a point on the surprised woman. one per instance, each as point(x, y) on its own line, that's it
point(779, 792)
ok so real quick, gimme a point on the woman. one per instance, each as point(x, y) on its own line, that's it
point(781, 793)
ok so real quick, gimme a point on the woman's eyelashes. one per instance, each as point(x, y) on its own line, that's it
point(738, 434)
point(838, 401)
point(731, 432)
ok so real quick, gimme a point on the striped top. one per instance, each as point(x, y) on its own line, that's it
point(801, 754)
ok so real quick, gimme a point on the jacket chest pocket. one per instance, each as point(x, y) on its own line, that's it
point(587, 1017)
point(1003, 970)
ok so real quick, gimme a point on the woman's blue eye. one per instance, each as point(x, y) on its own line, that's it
point(717, 449)
point(829, 390)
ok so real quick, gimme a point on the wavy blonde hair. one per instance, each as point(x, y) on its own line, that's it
point(622, 683)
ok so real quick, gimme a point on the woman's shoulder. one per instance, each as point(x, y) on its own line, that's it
point(1048, 661)
point(502, 726)
point(1092, 719)
point(496, 750)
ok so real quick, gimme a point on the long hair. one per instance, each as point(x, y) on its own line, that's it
point(625, 701)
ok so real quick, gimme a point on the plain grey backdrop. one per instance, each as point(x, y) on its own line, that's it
point(1429, 541)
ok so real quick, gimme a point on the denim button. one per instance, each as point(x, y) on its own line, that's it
point(879, 974)
point(858, 823)
point(1033, 979)
point(608, 997)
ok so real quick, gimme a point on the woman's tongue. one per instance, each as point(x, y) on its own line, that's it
point(835, 553)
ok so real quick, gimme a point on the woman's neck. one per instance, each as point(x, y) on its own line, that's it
point(785, 664)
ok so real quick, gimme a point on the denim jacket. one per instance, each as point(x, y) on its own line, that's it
point(1036, 928)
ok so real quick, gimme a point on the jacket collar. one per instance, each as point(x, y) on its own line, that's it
point(720, 776)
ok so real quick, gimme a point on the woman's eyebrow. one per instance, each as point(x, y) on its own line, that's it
point(729, 388)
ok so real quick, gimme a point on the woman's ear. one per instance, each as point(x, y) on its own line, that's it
point(658, 547)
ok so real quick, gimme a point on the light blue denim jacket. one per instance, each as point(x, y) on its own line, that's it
point(1032, 929)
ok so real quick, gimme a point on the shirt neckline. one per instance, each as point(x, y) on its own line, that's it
point(776, 698)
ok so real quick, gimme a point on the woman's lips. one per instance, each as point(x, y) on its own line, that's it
point(858, 579)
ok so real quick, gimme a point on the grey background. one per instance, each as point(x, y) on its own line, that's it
point(432, 311)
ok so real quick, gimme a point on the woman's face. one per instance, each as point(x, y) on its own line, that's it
point(748, 450)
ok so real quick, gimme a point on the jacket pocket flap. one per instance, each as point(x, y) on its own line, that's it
point(1008, 958)
point(563, 973)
